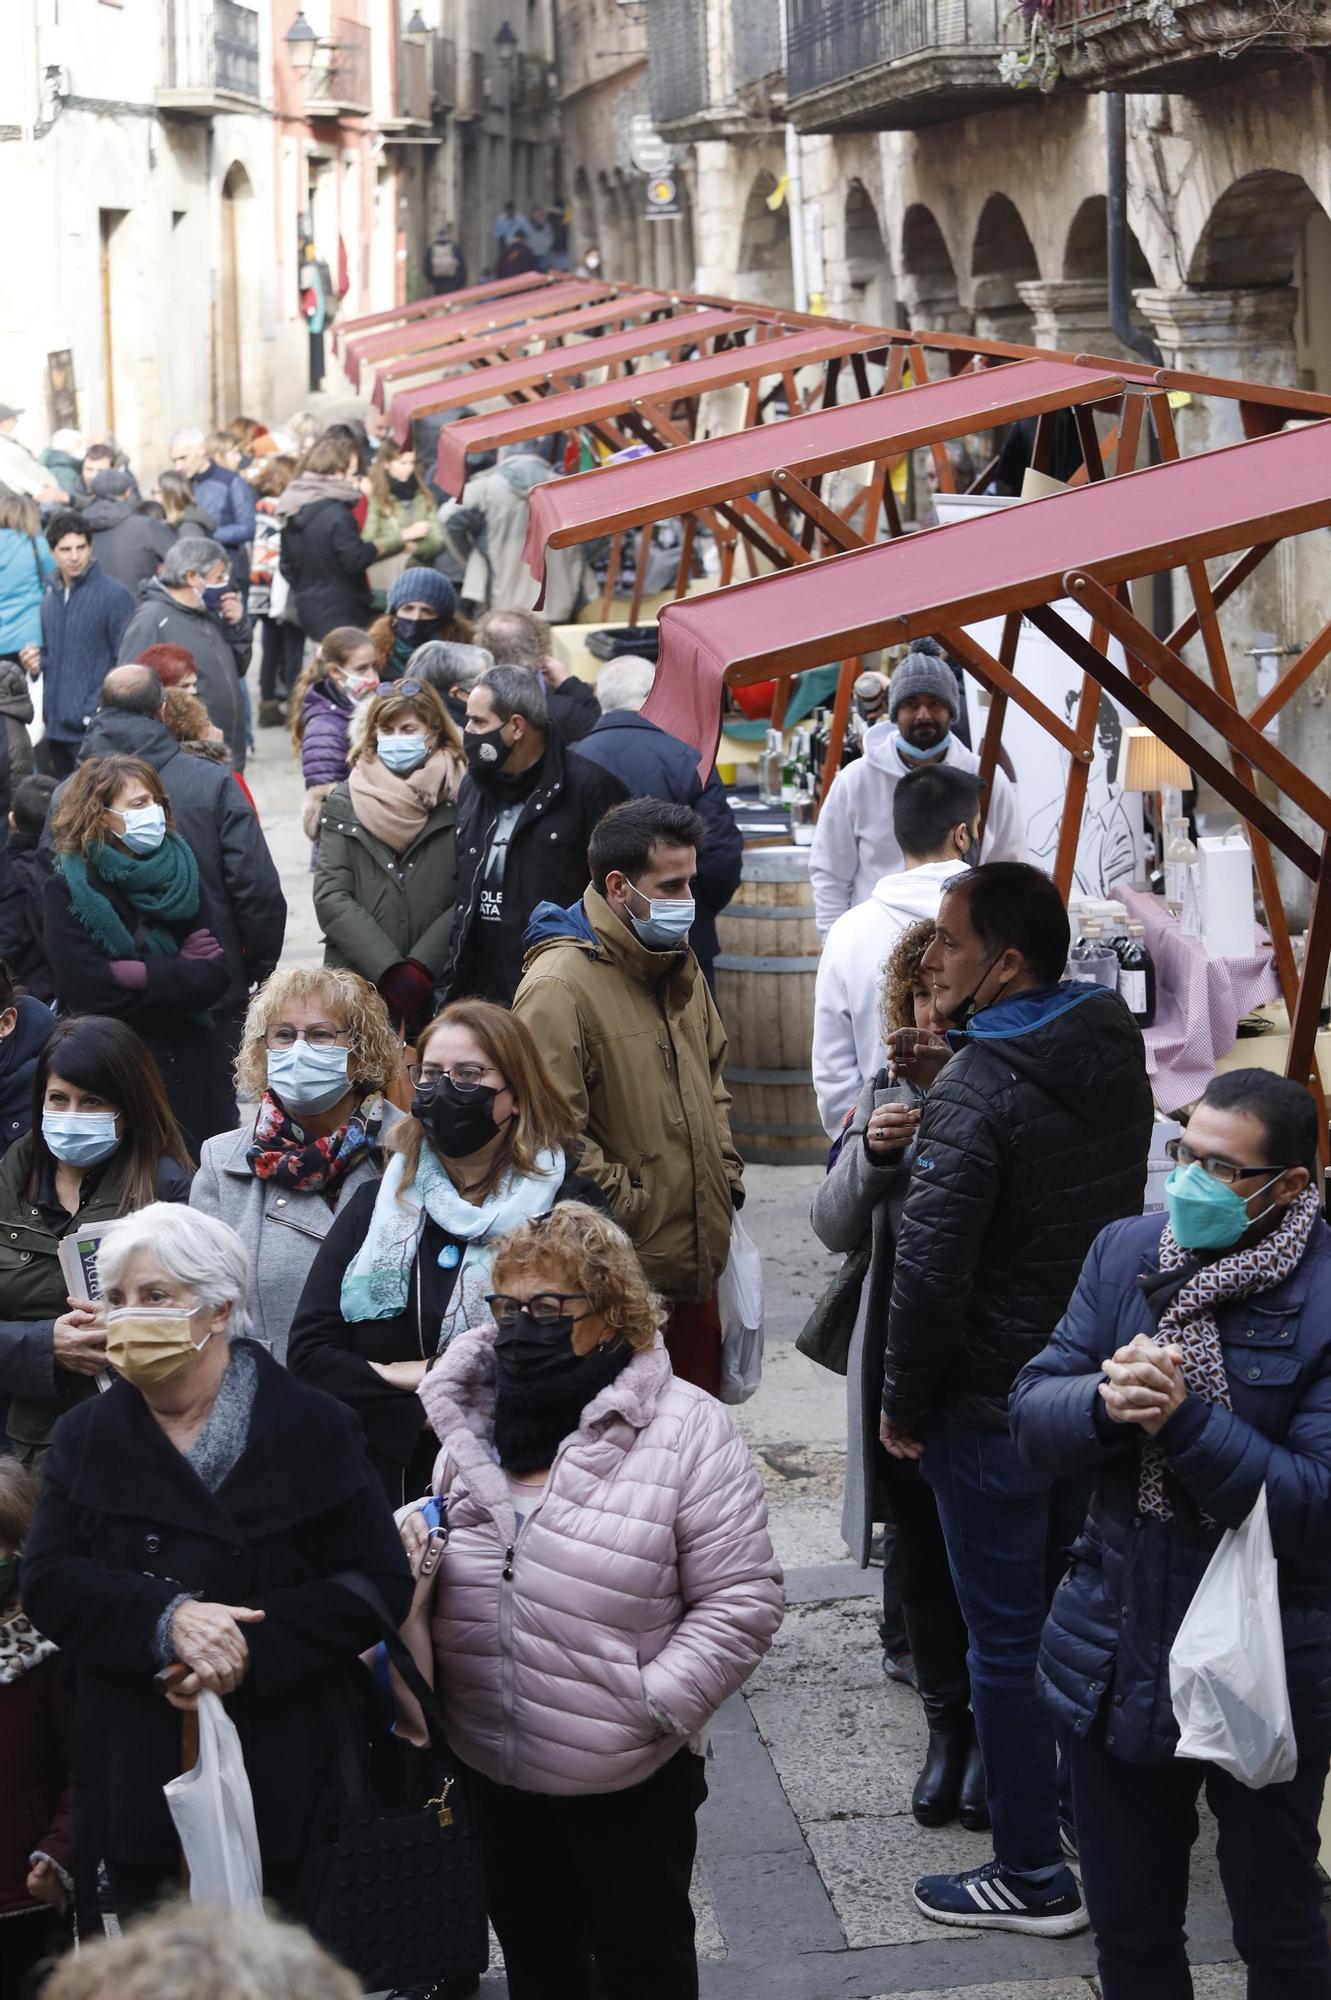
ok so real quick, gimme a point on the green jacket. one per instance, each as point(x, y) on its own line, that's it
point(33, 1292)
point(384, 526)
point(375, 907)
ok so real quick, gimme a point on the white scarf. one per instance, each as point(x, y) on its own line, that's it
point(377, 1282)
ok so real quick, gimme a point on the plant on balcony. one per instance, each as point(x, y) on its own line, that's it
point(1036, 66)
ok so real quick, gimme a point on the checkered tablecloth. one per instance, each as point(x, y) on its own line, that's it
point(1199, 1001)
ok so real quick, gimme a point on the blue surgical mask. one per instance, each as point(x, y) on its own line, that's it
point(935, 750)
point(667, 925)
point(80, 1138)
point(307, 1079)
point(213, 593)
point(145, 828)
point(1204, 1214)
point(401, 753)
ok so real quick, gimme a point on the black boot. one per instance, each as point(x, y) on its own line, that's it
point(973, 1805)
point(938, 1642)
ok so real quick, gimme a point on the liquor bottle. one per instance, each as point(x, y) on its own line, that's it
point(769, 770)
point(1180, 855)
point(1136, 978)
point(1091, 959)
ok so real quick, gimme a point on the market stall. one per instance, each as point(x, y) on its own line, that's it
point(368, 349)
point(438, 306)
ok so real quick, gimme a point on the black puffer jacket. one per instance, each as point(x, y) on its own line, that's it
point(1032, 1140)
point(325, 558)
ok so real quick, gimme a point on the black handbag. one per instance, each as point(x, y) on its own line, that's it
point(826, 1335)
point(393, 1884)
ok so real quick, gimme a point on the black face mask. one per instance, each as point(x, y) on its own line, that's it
point(530, 1350)
point(403, 489)
point(414, 632)
point(457, 709)
point(962, 1014)
point(457, 1123)
point(487, 752)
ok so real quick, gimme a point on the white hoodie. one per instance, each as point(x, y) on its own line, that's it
point(853, 842)
point(847, 1030)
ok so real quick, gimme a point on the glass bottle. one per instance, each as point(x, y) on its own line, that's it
point(1091, 959)
point(769, 770)
point(1136, 977)
point(1180, 855)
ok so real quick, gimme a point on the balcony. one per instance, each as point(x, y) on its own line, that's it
point(413, 111)
point(1175, 45)
point(534, 84)
point(472, 98)
point(211, 59)
point(713, 67)
point(339, 85)
point(894, 65)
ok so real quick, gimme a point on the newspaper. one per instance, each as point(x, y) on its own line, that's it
point(78, 1263)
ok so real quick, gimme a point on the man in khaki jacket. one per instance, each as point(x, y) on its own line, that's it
point(630, 1033)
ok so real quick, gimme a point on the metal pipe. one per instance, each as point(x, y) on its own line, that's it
point(794, 194)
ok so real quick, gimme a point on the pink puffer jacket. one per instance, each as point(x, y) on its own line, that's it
point(579, 1655)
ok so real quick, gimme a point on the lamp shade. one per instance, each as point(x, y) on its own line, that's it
point(1145, 764)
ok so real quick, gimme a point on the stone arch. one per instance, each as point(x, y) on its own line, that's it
point(928, 286)
point(1002, 258)
point(1253, 234)
point(1086, 252)
point(869, 281)
point(764, 272)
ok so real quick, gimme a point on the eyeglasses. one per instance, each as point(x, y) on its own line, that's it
point(462, 1076)
point(543, 1307)
point(401, 687)
point(316, 1038)
point(1220, 1170)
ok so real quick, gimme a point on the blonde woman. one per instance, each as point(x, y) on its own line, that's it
point(318, 1054)
point(406, 1265)
point(608, 1581)
point(384, 882)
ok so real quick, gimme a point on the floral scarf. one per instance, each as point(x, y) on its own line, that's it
point(377, 1282)
point(1189, 1322)
point(280, 1150)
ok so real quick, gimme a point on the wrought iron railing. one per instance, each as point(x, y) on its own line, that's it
point(828, 41)
point(677, 70)
point(413, 81)
point(445, 71)
point(345, 78)
point(212, 47)
point(756, 33)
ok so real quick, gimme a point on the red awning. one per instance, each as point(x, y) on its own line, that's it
point(555, 366)
point(369, 348)
point(611, 498)
point(511, 340)
point(787, 352)
point(446, 302)
point(1010, 560)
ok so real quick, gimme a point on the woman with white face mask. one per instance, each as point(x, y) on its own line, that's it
point(384, 883)
point(103, 1142)
point(318, 1053)
point(198, 1515)
point(129, 933)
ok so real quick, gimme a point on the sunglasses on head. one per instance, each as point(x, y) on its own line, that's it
point(401, 687)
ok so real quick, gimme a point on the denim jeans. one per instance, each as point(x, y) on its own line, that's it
point(1136, 1824)
point(1003, 1524)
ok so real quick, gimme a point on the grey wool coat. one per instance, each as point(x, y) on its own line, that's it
point(281, 1228)
point(858, 1195)
point(375, 907)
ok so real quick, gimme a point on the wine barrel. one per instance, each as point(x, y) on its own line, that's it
point(765, 971)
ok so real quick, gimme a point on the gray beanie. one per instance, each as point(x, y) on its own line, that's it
point(922, 673)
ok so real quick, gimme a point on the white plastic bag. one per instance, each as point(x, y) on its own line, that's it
point(739, 1294)
point(1227, 1663)
point(214, 1816)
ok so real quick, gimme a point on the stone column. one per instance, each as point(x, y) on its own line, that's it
point(930, 310)
point(1244, 334)
point(1072, 315)
point(1001, 313)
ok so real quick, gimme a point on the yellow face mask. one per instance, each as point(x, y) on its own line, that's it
point(149, 1345)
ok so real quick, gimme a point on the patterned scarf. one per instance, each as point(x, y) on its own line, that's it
point(162, 886)
point(280, 1150)
point(22, 1648)
point(1189, 1322)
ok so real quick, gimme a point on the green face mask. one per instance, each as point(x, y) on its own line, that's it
point(1204, 1214)
point(8, 1577)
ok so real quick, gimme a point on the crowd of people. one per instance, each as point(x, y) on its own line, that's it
point(400, 1272)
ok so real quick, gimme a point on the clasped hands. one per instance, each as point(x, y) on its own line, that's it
point(209, 1641)
point(1143, 1384)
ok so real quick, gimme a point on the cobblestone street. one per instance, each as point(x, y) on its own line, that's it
point(807, 1845)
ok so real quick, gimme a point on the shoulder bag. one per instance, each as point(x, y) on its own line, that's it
point(826, 1334)
point(393, 1884)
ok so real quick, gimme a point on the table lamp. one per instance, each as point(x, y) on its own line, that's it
point(1145, 764)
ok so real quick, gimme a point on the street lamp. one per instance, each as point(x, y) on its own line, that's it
point(506, 44)
point(301, 42)
point(416, 29)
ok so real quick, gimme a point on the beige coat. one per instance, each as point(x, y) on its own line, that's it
point(639, 1057)
point(498, 578)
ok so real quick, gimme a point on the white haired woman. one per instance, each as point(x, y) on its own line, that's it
point(199, 1512)
point(318, 1052)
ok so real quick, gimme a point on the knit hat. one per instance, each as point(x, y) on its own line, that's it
point(423, 586)
point(922, 672)
point(113, 484)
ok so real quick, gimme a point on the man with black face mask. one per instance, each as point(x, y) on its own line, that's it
point(525, 814)
point(1032, 1139)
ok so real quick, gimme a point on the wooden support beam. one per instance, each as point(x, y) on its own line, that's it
point(1074, 795)
point(845, 689)
point(1295, 674)
point(995, 675)
point(1301, 1063)
point(1223, 588)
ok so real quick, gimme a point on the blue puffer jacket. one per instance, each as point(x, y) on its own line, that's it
point(25, 563)
point(1115, 1615)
